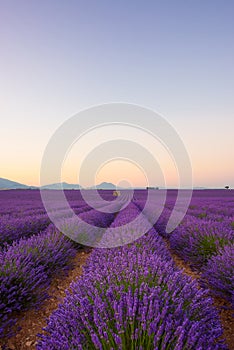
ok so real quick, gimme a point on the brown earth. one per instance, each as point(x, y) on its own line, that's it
point(32, 321)
point(223, 307)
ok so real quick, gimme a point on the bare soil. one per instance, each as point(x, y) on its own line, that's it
point(223, 307)
point(32, 321)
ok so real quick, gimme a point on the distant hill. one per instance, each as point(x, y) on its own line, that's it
point(6, 184)
point(61, 185)
point(104, 186)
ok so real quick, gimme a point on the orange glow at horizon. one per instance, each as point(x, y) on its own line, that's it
point(119, 170)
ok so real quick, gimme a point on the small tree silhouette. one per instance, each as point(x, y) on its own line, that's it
point(227, 187)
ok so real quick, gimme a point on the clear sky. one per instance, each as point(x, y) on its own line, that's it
point(175, 57)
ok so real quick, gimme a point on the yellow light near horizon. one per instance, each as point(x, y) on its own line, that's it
point(117, 171)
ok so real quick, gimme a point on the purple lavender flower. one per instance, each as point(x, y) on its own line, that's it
point(26, 269)
point(133, 297)
point(218, 274)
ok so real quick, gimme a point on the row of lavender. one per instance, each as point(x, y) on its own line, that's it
point(22, 213)
point(30, 257)
point(133, 297)
point(14, 228)
point(18, 203)
point(208, 245)
point(205, 239)
point(28, 263)
point(26, 270)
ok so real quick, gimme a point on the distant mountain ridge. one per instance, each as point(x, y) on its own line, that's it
point(111, 186)
point(104, 186)
point(8, 185)
point(61, 186)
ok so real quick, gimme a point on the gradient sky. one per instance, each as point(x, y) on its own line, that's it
point(175, 57)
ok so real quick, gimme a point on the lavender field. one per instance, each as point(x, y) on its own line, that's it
point(133, 296)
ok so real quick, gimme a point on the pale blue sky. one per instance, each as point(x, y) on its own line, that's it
point(175, 57)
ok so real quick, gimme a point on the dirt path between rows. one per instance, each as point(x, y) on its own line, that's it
point(32, 321)
point(226, 316)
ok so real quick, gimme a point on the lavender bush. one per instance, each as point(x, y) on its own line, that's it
point(12, 229)
point(133, 297)
point(218, 274)
point(26, 269)
point(196, 241)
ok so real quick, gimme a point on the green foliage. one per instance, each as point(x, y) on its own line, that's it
point(202, 215)
point(210, 245)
